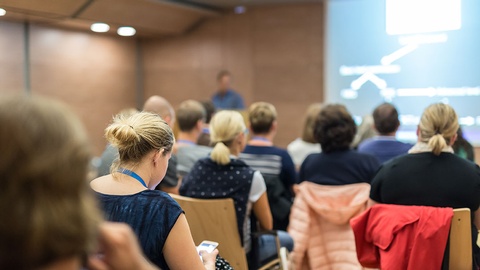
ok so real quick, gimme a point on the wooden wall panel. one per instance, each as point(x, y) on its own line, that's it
point(275, 55)
point(11, 59)
point(94, 74)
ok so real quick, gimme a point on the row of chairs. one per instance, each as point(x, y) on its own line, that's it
point(215, 220)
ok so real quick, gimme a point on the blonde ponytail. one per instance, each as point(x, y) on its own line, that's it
point(437, 143)
point(220, 154)
point(438, 125)
point(225, 126)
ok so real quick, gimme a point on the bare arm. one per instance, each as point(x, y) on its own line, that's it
point(261, 208)
point(180, 252)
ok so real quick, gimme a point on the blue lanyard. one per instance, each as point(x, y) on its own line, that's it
point(132, 174)
point(186, 142)
point(260, 139)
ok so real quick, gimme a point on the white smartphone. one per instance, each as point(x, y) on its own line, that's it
point(208, 246)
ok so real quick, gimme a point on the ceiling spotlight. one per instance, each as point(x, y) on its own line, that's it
point(100, 27)
point(126, 31)
point(240, 9)
point(2, 12)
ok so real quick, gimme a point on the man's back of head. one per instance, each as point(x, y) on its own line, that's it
point(189, 113)
point(385, 117)
point(160, 106)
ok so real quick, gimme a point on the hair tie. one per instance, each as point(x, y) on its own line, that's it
point(437, 132)
point(131, 127)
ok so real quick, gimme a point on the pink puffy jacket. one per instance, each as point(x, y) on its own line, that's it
point(319, 225)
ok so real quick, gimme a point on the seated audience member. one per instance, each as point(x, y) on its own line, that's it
point(274, 163)
point(385, 146)
point(191, 117)
point(301, 147)
point(337, 164)
point(160, 106)
point(49, 218)
point(204, 138)
point(144, 142)
point(226, 98)
point(463, 148)
point(431, 175)
point(364, 131)
point(111, 153)
point(223, 175)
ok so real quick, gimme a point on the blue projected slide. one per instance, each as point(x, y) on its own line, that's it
point(408, 52)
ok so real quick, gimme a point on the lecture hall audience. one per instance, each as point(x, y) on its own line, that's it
point(431, 174)
point(144, 142)
point(49, 217)
point(274, 163)
point(204, 138)
point(224, 175)
point(385, 146)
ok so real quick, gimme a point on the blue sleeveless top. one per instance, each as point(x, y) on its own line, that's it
point(209, 180)
point(150, 213)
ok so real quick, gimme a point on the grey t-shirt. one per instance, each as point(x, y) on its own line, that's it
point(188, 155)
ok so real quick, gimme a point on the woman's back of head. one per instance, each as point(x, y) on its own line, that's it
point(309, 122)
point(46, 209)
point(261, 116)
point(137, 135)
point(438, 126)
point(224, 128)
point(334, 128)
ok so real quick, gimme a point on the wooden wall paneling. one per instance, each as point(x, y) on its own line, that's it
point(12, 58)
point(274, 53)
point(94, 74)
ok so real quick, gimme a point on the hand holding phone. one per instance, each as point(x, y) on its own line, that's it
point(208, 246)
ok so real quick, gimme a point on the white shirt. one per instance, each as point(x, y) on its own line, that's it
point(300, 149)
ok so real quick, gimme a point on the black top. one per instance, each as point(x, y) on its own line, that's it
point(151, 214)
point(429, 180)
point(339, 168)
point(426, 179)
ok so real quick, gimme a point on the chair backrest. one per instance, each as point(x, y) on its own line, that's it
point(461, 240)
point(215, 220)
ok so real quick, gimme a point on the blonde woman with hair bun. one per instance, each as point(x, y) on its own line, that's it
point(223, 175)
point(144, 142)
point(431, 174)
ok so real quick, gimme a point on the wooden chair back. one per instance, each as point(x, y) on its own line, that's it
point(215, 220)
point(461, 240)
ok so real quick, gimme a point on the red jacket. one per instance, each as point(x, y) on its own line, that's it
point(400, 237)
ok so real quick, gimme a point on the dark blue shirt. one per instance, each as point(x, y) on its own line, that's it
point(339, 168)
point(229, 100)
point(151, 214)
point(384, 148)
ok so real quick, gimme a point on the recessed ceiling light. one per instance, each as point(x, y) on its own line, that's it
point(126, 31)
point(2, 12)
point(100, 27)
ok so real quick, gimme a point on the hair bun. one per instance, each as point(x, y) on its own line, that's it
point(122, 134)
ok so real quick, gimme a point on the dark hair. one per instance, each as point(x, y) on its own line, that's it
point(462, 144)
point(334, 128)
point(222, 74)
point(209, 109)
point(189, 113)
point(385, 117)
